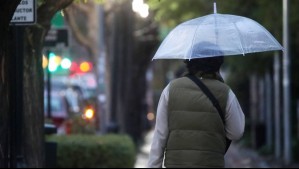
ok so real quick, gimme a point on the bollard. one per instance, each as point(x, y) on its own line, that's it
point(112, 127)
point(50, 147)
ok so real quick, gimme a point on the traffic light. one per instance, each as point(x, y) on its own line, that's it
point(54, 62)
point(65, 66)
point(51, 54)
point(66, 63)
point(45, 62)
point(57, 64)
point(80, 68)
point(85, 67)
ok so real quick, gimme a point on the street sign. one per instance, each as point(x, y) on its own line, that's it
point(57, 38)
point(58, 20)
point(25, 14)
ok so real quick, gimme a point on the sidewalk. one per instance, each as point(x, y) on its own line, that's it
point(142, 157)
point(236, 157)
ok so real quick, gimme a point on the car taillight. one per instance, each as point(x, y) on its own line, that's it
point(58, 121)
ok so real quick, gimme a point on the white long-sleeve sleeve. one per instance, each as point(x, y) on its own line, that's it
point(234, 118)
point(161, 132)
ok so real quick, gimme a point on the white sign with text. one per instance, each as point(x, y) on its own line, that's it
point(25, 14)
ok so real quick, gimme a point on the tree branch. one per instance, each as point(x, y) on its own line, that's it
point(90, 23)
point(75, 29)
point(81, 7)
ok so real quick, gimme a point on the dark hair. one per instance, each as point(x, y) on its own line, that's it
point(207, 58)
point(205, 65)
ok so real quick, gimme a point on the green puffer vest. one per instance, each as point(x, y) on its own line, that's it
point(197, 134)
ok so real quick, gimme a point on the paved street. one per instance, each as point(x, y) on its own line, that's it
point(236, 157)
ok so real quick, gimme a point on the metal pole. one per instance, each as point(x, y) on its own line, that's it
point(102, 66)
point(297, 119)
point(19, 97)
point(262, 103)
point(269, 117)
point(286, 86)
point(277, 107)
point(49, 109)
point(16, 105)
point(113, 120)
point(254, 109)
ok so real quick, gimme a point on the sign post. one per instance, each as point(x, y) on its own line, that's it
point(24, 15)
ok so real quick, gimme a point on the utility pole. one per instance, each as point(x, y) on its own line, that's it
point(286, 85)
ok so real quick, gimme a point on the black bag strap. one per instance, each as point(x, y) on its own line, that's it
point(213, 99)
point(209, 94)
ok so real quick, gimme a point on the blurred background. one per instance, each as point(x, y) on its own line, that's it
point(98, 78)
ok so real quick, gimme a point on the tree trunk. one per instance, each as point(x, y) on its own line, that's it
point(33, 124)
point(129, 64)
point(31, 145)
point(119, 50)
point(136, 101)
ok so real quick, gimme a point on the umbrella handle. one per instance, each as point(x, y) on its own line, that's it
point(215, 8)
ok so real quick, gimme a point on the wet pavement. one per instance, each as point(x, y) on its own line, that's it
point(236, 157)
point(142, 157)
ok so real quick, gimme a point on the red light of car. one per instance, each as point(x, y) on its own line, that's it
point(85, 67)
point(58, 121)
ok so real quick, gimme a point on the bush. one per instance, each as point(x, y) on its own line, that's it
point(82, 126)
point(295, 149)
point(92, 151)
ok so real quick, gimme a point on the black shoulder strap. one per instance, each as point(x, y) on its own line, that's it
point(209, 94)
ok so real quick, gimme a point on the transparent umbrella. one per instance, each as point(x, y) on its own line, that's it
point(216, 35)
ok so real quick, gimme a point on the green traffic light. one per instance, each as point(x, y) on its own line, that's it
point(66, 63)
point(51, 54)
point(52, 67)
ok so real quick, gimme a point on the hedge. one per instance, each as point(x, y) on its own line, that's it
point(93, 151)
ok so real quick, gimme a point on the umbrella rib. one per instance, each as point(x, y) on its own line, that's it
point(192, 44)
point(241, 40)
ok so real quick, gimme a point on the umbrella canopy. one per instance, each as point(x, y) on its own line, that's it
point(216, 35)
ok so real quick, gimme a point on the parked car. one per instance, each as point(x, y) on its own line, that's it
point(59, 110)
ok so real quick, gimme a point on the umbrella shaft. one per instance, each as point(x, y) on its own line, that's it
point(215, 8)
